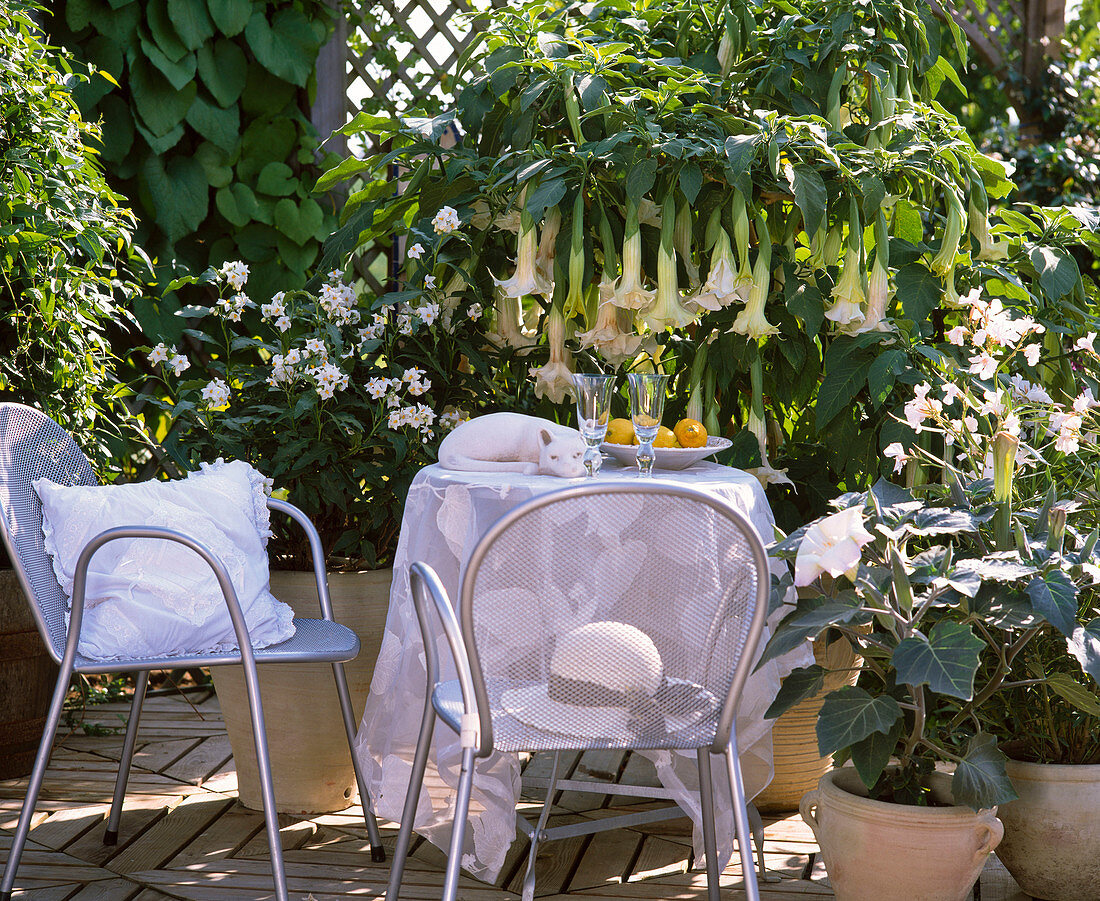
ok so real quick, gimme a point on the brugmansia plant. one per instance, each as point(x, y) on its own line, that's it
point(762, 200)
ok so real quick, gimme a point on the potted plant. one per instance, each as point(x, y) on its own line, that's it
point(66, 279)
point(338, 400)
point(957, 578)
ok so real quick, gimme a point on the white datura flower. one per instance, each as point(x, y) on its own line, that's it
point(554, 380)
point(721, 286)
point(848, 296)
point(879, 296)
point(751, 320)
point(548, 243)
point(630, 292)
point(507, 330)
point(610, 336)
point(526, 279)
point(669, 311)
point(832, 545)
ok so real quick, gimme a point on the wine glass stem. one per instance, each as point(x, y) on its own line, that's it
point(645, 459)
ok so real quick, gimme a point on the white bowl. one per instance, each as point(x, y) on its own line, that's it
point(667, 457)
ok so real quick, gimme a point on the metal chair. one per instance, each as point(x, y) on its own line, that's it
point(698, 593)
point(33, 446)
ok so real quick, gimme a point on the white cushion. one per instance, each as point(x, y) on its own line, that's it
point(152, 597)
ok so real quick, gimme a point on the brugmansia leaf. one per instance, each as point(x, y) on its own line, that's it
point(872, 755)
point(946, 660)
point(919, 291)
point(1055, 597)
point(810, 195)
point(841, 384)
point(1057, 270)
point(850, 714)
point(980, 780)
point(179, 192)
point(800, 683)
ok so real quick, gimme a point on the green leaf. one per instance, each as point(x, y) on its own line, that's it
point(178, 73)
point(640, 179)
point(691, 180)
point(549, 193)
point(237, 203)
point(1058, 273)
point(286, 46)
point(919, 290)
point(945, 661)
point(179, 192)
point(806, 303)
point(591, 89)
point(219, 125)
point(277, 179)
point(811, 196)
point(871, 755)
point(118, 128)
point(740, 152)
point(299, 223)
point(980, 780)
point(223, 69)
point(160, 105)
point(191, 21)
point(849, 715)
point(160, 26)
point(231, 16)
point(880, 377)
point(1068, 688)
point(1055, 597)
point(164, 142)
point(947, 521)
point(801, 683)
point(843, 381)
point(298, 258)
point(1085, 646)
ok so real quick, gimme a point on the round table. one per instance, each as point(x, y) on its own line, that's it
point(445, 515)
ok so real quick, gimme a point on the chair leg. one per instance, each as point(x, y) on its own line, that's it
point(741, 819)
point(110, 837)
point(267, 790)
point(706, 801)
point(34, 786)
point(412, 798)
point(458, 833)
point(529, 877)
point(377, 852)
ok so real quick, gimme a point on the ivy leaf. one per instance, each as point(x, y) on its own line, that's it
point(160, 26)
point(160, 105)
point(810, 195)
point(224, 70)
point(219, 125)
point(946, 660)
point(919, 290)
point(849, 715)
point(801, 683)
point(1055, 597)
point(180, 194)
point(286, 46)
point(231, 16)
point(191, 21)
point(237, 203)
point(980, 780)
point(178, 72)
point(277, 179)
point(299, 223)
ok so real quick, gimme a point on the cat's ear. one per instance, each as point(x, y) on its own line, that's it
point(545, 437)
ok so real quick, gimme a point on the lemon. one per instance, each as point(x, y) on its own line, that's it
point(665, 438)
point(620, 431)
point(690, 433)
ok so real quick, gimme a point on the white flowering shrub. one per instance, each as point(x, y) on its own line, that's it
point(335, 396)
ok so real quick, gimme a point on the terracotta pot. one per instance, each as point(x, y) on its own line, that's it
point(27, 678)
point(310, 762)
point(1052, 832)
point(875, 851)
point(798, 767)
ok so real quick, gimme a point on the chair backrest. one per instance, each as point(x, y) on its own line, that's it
point(33, 446)
point(613, 615)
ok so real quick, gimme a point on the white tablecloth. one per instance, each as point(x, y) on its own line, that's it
point(445, 515)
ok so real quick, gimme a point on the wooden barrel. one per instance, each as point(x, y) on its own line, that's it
point(27, 678)
point(798, 766)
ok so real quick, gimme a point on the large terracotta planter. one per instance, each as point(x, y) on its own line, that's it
point(1052, 832)
point(874, 851)
point(310, 762)
point(797, 765)
point(27, 679)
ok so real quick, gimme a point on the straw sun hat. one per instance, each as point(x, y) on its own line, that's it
point(607, 679)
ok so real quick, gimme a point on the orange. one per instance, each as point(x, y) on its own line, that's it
point(690, 433)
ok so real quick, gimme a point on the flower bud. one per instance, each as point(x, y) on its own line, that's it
point(1057, 528)
point(1004, 465)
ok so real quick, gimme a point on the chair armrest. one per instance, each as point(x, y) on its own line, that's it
point(80, 580)
point(315, 551)
point(426, 584)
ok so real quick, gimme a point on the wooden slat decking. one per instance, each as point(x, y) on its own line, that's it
point(184, 835)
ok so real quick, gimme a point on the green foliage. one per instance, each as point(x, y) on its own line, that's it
point(66, 250)
point(806, 135)
point(205, 127)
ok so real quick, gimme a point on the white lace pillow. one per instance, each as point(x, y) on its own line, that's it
point(150, 598)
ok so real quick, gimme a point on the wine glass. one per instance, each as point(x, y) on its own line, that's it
point(647, 403)
point(593, 412)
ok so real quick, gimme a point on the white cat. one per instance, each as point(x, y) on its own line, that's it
point(513, 442)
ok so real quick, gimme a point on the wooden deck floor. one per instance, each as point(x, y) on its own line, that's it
point(185, 836)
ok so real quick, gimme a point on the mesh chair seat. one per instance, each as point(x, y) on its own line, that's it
point(313, 641)
point(510, 734)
